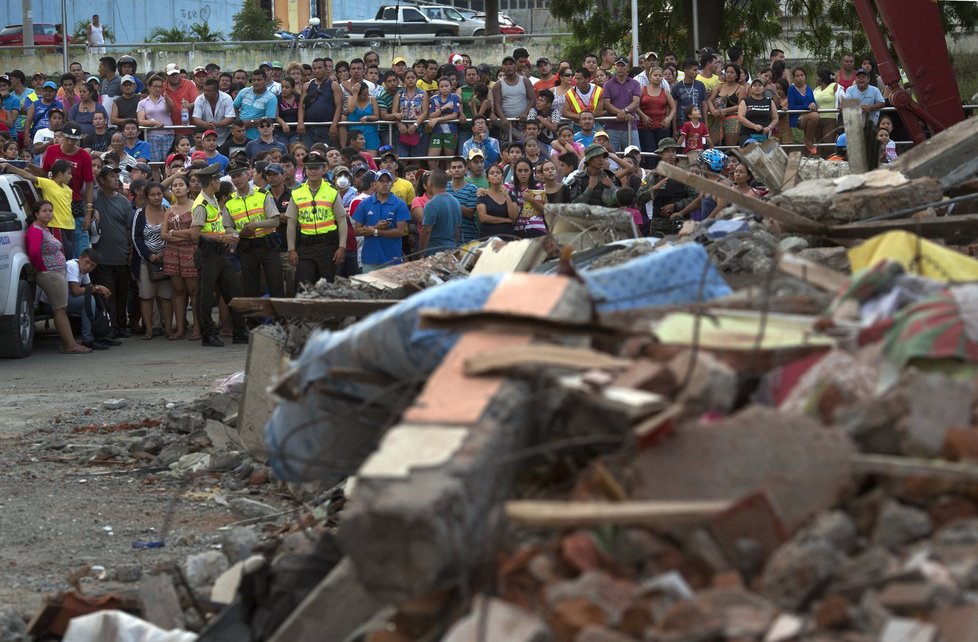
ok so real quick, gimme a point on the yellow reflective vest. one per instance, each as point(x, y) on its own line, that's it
point(213, 224)
point(315, 210)
point(245, 209)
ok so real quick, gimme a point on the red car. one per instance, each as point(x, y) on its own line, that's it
point(507, 26)
point(45, 35)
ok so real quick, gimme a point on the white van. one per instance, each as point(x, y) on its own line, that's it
point(17, 290)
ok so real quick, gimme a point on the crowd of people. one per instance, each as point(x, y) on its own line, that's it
point(173, 192)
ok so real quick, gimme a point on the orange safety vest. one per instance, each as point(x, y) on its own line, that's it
point(575, 100)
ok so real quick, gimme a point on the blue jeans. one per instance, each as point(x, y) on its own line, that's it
point(620, 138)
point(421, 149)
point(76, 305)
point(82, 240)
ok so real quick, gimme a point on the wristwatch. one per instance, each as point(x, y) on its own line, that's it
point(376, 232)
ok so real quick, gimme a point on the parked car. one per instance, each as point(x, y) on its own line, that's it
point(17, 288)
point(468, 27)
point(507, 26)
point(395, 21)
point(45, 34)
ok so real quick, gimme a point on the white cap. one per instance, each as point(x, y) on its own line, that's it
point(172, 68)
point(457, 59)
point(630, 149)
point(127, 78)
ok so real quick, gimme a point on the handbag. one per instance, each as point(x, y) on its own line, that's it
point(311, 98)
point(410, 140)
point(155, 271)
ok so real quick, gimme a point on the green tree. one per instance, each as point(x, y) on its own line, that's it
point(822, 27)
point(201, 32)
point(81, 32)
point(173, 34)
point(253, 23)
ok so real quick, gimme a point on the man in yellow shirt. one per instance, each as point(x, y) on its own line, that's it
point(402, 188)
point(708, 71)
point(429, 81)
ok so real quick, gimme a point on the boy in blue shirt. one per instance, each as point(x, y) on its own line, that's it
point(381, 219)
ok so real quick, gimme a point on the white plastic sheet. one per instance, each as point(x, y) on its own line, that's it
point(119, 626)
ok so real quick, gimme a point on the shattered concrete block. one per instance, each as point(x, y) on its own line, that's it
point(203, 569)
point(798, 571)
point(898, 525)
point(818, 200)
point(745, 615)
point(183, 421)
point(957, 623)
point(836, 528)
point(238, 542)
point(222, 437)
point(754, 518)
point(251, 509)
point(793, 244)
point(748, 451)
point(836, 258)
point(712, 386)
point(611, 594)
point(161, 605)
point(494, 619)
point(914, 598)
point(907, 630)
point(12, 626)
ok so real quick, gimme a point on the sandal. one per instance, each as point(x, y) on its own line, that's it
point(147, 337)
point(195, 337)
point(174, 337)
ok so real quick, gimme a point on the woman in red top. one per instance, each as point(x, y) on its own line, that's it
point(846, 76)
point(48, 258)
point(657, 110)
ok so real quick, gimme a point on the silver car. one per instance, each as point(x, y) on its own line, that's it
point(467, 27)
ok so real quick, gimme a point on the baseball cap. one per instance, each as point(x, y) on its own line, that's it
point(127, 78)
point(108, 169)
point(386, 150)
point(143, 167)
point(859, 71)
point(475, 153)
point(276, 64)
point(384, 172)
point(621, 60)
point(174, 157)
point(356, 168)
point(238, 167)
point(199, 70)
point(398, 60)
point(208, 132)
point(267, 63)
point(342, 169)
point(5, 78)
point(273, 168)
point(38, 73)
point(172, 68)
point(601, 134)
point(543, 61)
point(72, 130)
point(483, 68)
point(508, 59)
point(651, 54)
point(632, 148)
point(457, 59)
point(56, 109)
point(49, 85)
point(198, 155)
point(94, 79)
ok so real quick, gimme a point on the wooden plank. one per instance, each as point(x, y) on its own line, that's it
point(959, 229)
point(890, 466)
point(811, 272)
point(855, 124)
point(542, 355)
point(309, 308)
point(786, 218)
point(791, 170)
point(558, 514)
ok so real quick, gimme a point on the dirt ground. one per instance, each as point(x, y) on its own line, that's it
point(57, 515)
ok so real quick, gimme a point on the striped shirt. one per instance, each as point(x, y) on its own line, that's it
point(466, 197)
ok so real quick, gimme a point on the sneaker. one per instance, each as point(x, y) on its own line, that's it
point(95, 345)
point(212, 342)
point(240, 338)
point(109, 341)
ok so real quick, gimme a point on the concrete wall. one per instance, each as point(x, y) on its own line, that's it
point(249, 58)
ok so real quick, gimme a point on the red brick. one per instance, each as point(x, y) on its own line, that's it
point(832, 612)
point(961, 444)
point(753, 517)
point(951, 507)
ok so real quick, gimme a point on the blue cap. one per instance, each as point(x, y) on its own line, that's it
point(841, 141)
point(385, 172)
point(386, 149)
point(49, 85)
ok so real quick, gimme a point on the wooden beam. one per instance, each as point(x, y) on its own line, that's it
point(959, 229)
point(309, 308)
point(818, 275)
point(788, 219)
point(542, 355)
point(558, 514)
point(855, 124)
point(890, 466)
point(791, 170)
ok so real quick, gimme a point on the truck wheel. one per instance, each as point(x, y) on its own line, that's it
point(17, 330)
point(480, 33)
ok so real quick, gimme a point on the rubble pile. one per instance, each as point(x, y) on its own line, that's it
point(763, 429)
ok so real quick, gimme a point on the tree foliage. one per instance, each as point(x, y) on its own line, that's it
point(201, 32)
point(173, 34)
point(824, 28)
point(81, 32)
point(253, 23)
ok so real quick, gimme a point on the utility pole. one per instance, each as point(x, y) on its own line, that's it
point(27, 27)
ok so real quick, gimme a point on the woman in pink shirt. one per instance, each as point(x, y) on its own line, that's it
point(48, 258)
point(154, 111)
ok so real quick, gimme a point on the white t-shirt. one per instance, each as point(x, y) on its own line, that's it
point(72, 273)
point(44, 135)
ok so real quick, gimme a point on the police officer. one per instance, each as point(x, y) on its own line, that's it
point(317, 225)
point(207, 230)
point(255, 218)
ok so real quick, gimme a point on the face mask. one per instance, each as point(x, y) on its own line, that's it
point(343, 182)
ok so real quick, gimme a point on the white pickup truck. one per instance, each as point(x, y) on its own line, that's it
point(17, 314)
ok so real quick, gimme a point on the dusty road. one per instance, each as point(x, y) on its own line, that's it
point(57, 516)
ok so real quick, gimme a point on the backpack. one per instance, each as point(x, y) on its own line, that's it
point(101, 320)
